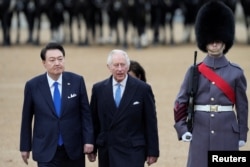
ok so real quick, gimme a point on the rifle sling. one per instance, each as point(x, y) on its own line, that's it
point(219, 82)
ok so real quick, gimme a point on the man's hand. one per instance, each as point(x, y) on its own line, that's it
point(242, 143)
point(88, 148)
point(25, 155)
point(187, 137)
point(151, 160)
point(91, 157)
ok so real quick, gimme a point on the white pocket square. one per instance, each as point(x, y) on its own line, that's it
point(72, 95)
point(136, 102)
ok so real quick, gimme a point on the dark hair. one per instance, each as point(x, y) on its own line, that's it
point(49, 46)
point(138, 70)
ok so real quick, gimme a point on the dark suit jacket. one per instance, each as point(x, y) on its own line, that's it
point(75, 123)
point(125, 135)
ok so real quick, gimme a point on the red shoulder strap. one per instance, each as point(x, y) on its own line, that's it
point(219, 82)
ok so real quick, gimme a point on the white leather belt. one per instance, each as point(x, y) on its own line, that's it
point(212, 108)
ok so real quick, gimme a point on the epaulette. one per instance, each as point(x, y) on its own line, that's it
point(235, 65)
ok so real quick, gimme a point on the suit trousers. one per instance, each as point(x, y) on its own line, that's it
point(120, 156)
point(61, 159)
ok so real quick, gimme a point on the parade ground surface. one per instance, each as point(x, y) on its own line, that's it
point(165, 68)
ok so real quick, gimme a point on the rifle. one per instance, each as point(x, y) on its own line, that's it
point(192, 89)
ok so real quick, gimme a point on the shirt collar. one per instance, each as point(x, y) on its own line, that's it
point(51, 81)
point(123, 82)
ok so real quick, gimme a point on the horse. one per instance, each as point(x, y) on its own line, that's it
point(246, 6)
point(27, 7)
point(157, 18)
point(6, 13)
point(89, 11)
point(97, 8)
point(53, 9)
point(162, 14)
point(117, 10)
point(189, 10)
point(139, 10)
point(71, 11)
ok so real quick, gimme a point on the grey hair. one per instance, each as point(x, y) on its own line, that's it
point(110, 56)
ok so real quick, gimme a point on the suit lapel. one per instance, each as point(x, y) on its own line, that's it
point(45, 91)
point(109, 101)
point(126, 98)
point(128, 93)
point(108, 95)
point(66, 85)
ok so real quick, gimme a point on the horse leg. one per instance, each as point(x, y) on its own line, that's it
point(100, 39)
point(30, 18)
point(187, 33)
point(125, 29)
point(37, 41)
point(57, 21)
point(113, 29)
point(87, 29)
point(70, 27)
point(139, 25)
point(247, 20)
point(163, 27)
point(93, 29)
point(18, 27)
point(79, 27)
point(117, 33)
point(156, 25)
point(6, 28)
point(5, 36)
point(171, 28)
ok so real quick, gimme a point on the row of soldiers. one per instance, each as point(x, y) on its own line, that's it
point(91, 15)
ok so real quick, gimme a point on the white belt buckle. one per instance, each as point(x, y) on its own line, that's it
point(213, 108)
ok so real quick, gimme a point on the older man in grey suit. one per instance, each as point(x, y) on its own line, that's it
point(124, 117)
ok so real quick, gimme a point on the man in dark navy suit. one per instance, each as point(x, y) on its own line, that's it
point(56, 106)
point(124, 118)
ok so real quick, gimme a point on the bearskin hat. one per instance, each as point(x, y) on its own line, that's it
point(214, 22)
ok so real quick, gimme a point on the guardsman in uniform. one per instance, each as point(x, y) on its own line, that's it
point(220, 120)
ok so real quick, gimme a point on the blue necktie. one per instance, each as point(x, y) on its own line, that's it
point(57, 99)
point(118, 95)
point(57, 104)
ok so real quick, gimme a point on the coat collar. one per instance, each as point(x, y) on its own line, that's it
point(216, 62)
